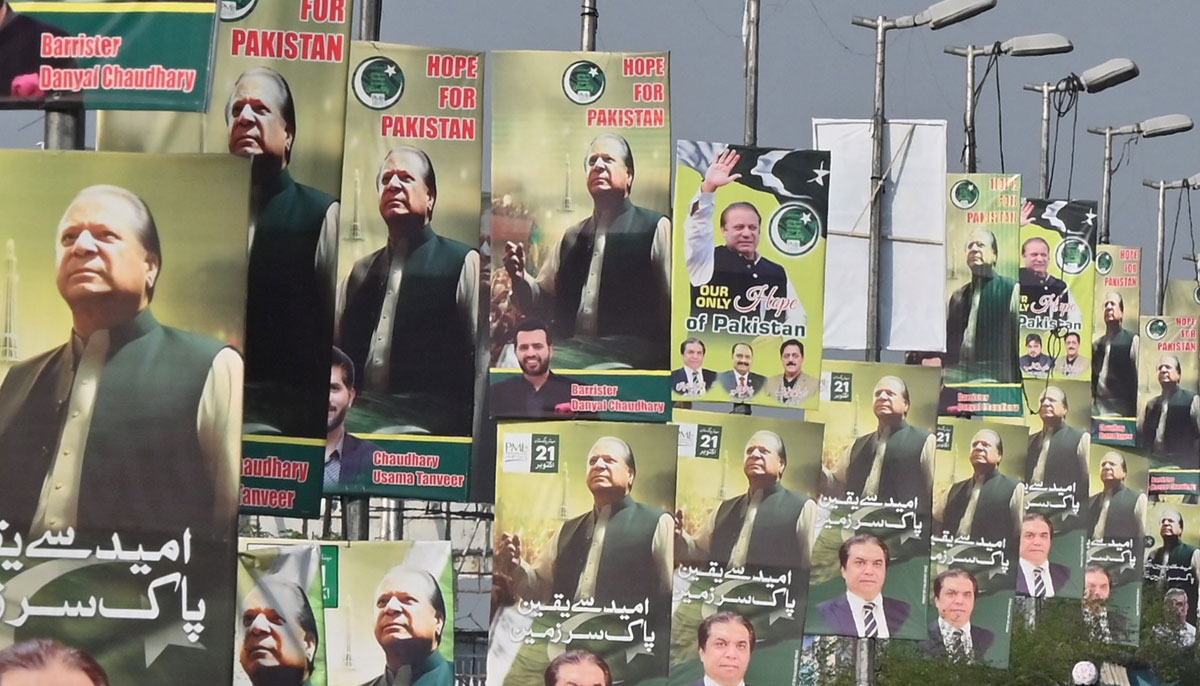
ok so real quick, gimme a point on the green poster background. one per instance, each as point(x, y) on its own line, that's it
point(540, 139)
point(424, 467)
point(354, 656)
point(283, 482)
point(847, 411)
point(296, 564)
point(175, 36)
point(1069, 229)
point(1160, 337)
point(1190, 536)
point(533, 501)
point(1118, 271)
point(703, 483)
point(1124, 559)
point(994, 568)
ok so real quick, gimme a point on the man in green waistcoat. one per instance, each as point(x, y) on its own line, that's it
point(1057, 454)
point(981, 320)
point(1114, 363)
point(1170, 422)
point(592, 555)
point(1175, 564)
point(1118, 512)
point(406, 312)
point(987, 505)
point(293, 255)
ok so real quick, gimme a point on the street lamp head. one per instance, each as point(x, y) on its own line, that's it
point(1109, 74)
point(1036, 45)
point(1165, 125)
point(1193, 181)
point(949, 12)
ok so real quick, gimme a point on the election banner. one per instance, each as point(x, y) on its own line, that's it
point(106, 54)
point(977, 493)
point(1169, 409)
point(584, 548)
point(279, 632)
point(747, 511)
point(408, 272)
point(1112, 595)
point(1056, 488)
point(580, 274)
point(876, 486)
point(123, 300)
point(1172, 568)
point(1114, 345)
point(749, 273)
point(279, 96)
point(982, 312)
point(1182, 297)
point(1058, 273)
point(389, 608)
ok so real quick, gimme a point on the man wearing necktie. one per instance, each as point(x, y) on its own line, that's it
point(1114, 363)
point(1039, 577)
point(862, 610)
point(347, 457)
point(987, 505)
point(620, 550)
point(741, 383)
point(692, 379)
point(953, 635)
point(982, 316)
point(1170, 427)
point(1175, 564)
point(892, 462)
point(1118, 512)
point(1057, 454)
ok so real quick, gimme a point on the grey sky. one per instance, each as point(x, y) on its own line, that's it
point(815, 64)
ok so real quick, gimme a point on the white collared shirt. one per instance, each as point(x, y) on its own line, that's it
point(1027, 568)
point(948, 637)
point(708, 681)
point(856, 609)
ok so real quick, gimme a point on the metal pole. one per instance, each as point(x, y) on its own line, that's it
point(368, 20)
point(1107, 192)
point(1044, 185)
point(876, 233)
point(970, 115)
point(589, 19)
point(64, 129)
point(1160, 276)
point(751, 137)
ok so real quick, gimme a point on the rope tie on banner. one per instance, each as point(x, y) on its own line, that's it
point(877, 181)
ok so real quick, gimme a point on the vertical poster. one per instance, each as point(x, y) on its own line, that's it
point(749, 274)
point(872, 547)
point(1172, 569)
point(389, 609)
point(1169, 409)
point(279, 632)
point(747, 514)
point(1114, 345)
point(1182, 297)
point(977, 495)
point(1112, 594)
point(123, 304)
point(1057, 275)
point(278, 97)
point(1054, 526)
point(152, 56)
point(981, 373)
point(581, 235)
point(584, 549)
point(408, 274)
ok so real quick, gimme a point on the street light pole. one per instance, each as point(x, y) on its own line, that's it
point(751, 137)
point(589, 18)
point(1160, 275)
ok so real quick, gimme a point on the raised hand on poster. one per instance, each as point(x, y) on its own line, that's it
point(720, 172)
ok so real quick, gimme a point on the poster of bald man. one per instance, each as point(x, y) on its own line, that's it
point(1057, 276)
point(749, 269)
point(408, 260)
point(1168, 407)
point(982, 312)
point(578, 506)
point(745, 521)
point(279, 631)
point(1117, 530)
point(123, 297)
point(1114, 347)
point(278, 98)
point(977, 495)
point(876, 483)
point(580, 235)
point(389, 613)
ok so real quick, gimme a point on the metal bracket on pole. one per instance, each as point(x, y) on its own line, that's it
point(589, 20)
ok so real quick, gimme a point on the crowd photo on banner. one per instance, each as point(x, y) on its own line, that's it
point(625, 350)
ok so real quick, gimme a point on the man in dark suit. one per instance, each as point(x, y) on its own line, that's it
point(1038, 577)
point(862, 610)
point(953, 635)
point(742, 383)
point(279, 633)
point(1044, 293)
point(726, 641)
point(1114, 363)
point(1118, 512)
point(986, 506)
point(1170, 426)
point(692, 379)
point(577, 668)
point(538, 392)
point(409, 617)
point(894, 461)
point(348, 459)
